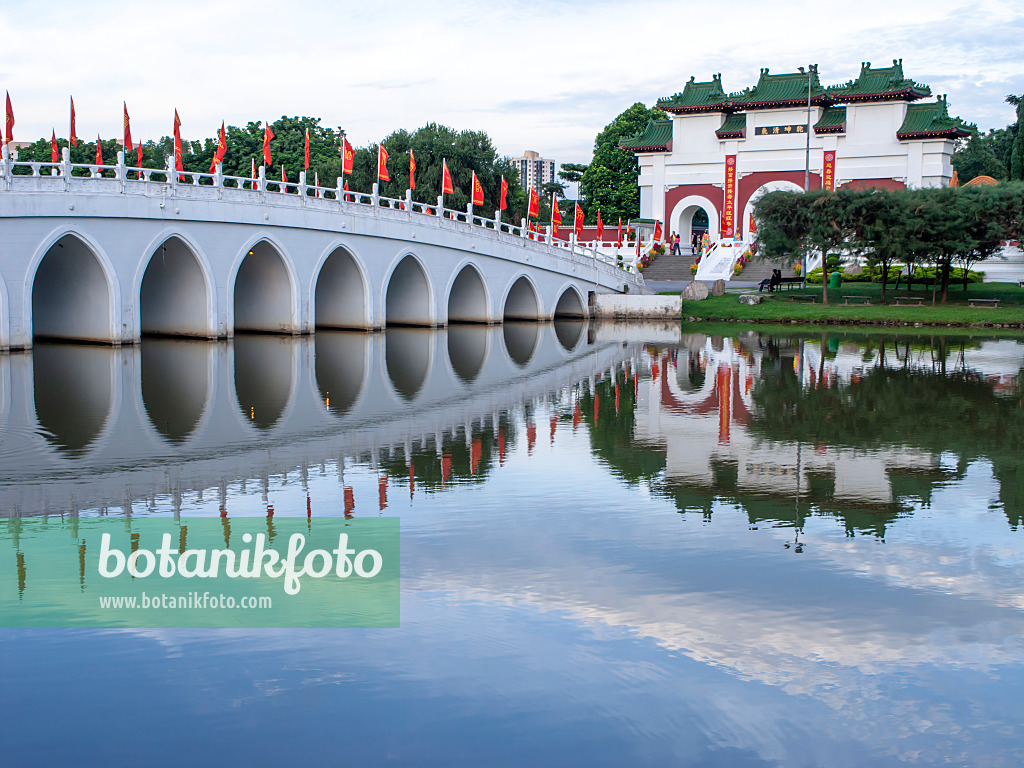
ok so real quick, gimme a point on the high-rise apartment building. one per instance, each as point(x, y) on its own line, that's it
point(534, 170)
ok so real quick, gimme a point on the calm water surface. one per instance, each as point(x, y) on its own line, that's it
point(621, 546)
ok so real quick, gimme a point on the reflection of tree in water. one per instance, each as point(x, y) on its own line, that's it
point(459, 462)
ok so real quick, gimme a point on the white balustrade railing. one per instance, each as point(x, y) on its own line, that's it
point(33, 176)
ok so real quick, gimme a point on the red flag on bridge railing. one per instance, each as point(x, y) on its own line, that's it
point(600, 226)
point(657, 231)
point(128, 147)
point(54, 152)
point(305, 157)
point(72, 136)
point(578, 221)
point(504, 195)
point(99, 151)
point(382, 163)
point(177, 145)
point(316, 182)
point(267, 136)
point(534, 209)
point(9, 124)
point(348, 198)
point(348, 156)
point(139, 147)
point(284, 179)
point(447, 188)
point(254, 177)
point(412, 170)
point(556, 215)
point(478, 191)
point(222, 145)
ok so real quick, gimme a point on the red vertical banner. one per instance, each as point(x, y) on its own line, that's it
point(728, 212)
point(723, 384)
point(828, 173)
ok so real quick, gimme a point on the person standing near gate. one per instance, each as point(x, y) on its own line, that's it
point(694, 242)
point(676, 250)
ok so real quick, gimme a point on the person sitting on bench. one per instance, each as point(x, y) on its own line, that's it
point(775, 280)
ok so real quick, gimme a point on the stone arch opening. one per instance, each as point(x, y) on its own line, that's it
point(467, 350)
point(467, 302)
point(174, 297)
point(522, 302)
point(570, 305)
point(694, 212)
point(263, 378)
point(73, 390)
point(521, 341)
point(407, 358)
point(340, 368)
point(407, 301)
point(175, 385)
point(71, 294)
point(263, 292)
point(748, 209)
point(339, 299)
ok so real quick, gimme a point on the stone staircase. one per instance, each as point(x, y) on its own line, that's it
point(669, 267)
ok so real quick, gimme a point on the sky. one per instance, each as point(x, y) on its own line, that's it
point(546, 76)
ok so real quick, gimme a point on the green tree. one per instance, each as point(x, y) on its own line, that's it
point(1017, 152)
point(976, 157)
point(877, 218)
point(610, 181)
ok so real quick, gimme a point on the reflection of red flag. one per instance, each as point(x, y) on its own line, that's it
point(412, 479)
point(382, 492)
point(578, 221)
point(446, 468)
point(556, 215)
point(382, 163)
point(267, 136)
point(72, 136)
point(350, 502)
point(600, 226)
point(9, 124)
point(501, 448)
point(412, 170)
point(305, 166)
point(54, 153)
point(99, 151)
point(504, 195)
point(478, 191)
point(554, 424)
point(476, 454)
point(531, 436)
point(534, 209)
point(128, 147)
point(348, 158)
point(447, 188)
point(577, 417)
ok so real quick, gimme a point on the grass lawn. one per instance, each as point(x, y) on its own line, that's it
point(779, 307)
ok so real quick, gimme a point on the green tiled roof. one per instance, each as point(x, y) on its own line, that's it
point(656, 137)
point(697, 97)
point(780, 90)
point(883, 83)
point(931, 120)
point(734, 127)
point(833, 120)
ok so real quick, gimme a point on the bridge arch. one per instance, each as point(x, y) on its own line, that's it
point(408, 360)
point(468, 301)
point(175, 290)
point(177, 384)
point(468, 347)
point(265, 371)
point(522, 300)
point(71, 290)
point(261, 295)
point(408, 295)
point(340, 296)
point(570, 303)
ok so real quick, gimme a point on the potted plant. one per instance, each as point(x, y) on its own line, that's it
point(693, 269)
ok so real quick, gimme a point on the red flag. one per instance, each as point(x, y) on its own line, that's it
point(54, 152)
point(534, 209)
point(284, 179)
point(305, 166)
point(600, 225)
point(222, 145)
point(578, 221)
point(254, 177)
point(504, 195)
point(177, 144)
point(447, 188)
point(267, 136)
point(382, 163)
point(99, 151)
point(128, 147)
point(412, 170)
point(478, 191)
point(618, 238)
point(9, 126)
point(348, 158)
point(213, 165)
point(316, 182)
point(657, 231)
point(348, 198)
point(139, 147)
point(556, 215)
point(72, 137)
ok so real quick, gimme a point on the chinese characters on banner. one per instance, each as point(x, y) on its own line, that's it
point(779, 130)
point(828, 174)
point(728, 212)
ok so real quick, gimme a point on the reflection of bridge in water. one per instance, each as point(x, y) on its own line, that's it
point(88, 427)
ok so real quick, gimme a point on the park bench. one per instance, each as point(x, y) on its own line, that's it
point(915, 301)
point(1020, 283)
point(790, 282)
point(808, 297)
point(856, 299)
point(984, 302)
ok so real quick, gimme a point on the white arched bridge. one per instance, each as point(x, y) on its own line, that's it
point(109, 253)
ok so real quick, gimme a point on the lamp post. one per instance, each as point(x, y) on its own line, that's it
point(807, 155)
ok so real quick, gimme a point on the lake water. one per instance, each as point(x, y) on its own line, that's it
point(621, 545)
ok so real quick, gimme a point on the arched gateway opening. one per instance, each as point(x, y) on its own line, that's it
point(174, 296)
point(340, 296)
point(263, 292)
point(71, 294)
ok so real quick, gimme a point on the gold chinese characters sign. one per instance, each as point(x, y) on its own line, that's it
point(779, 130)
